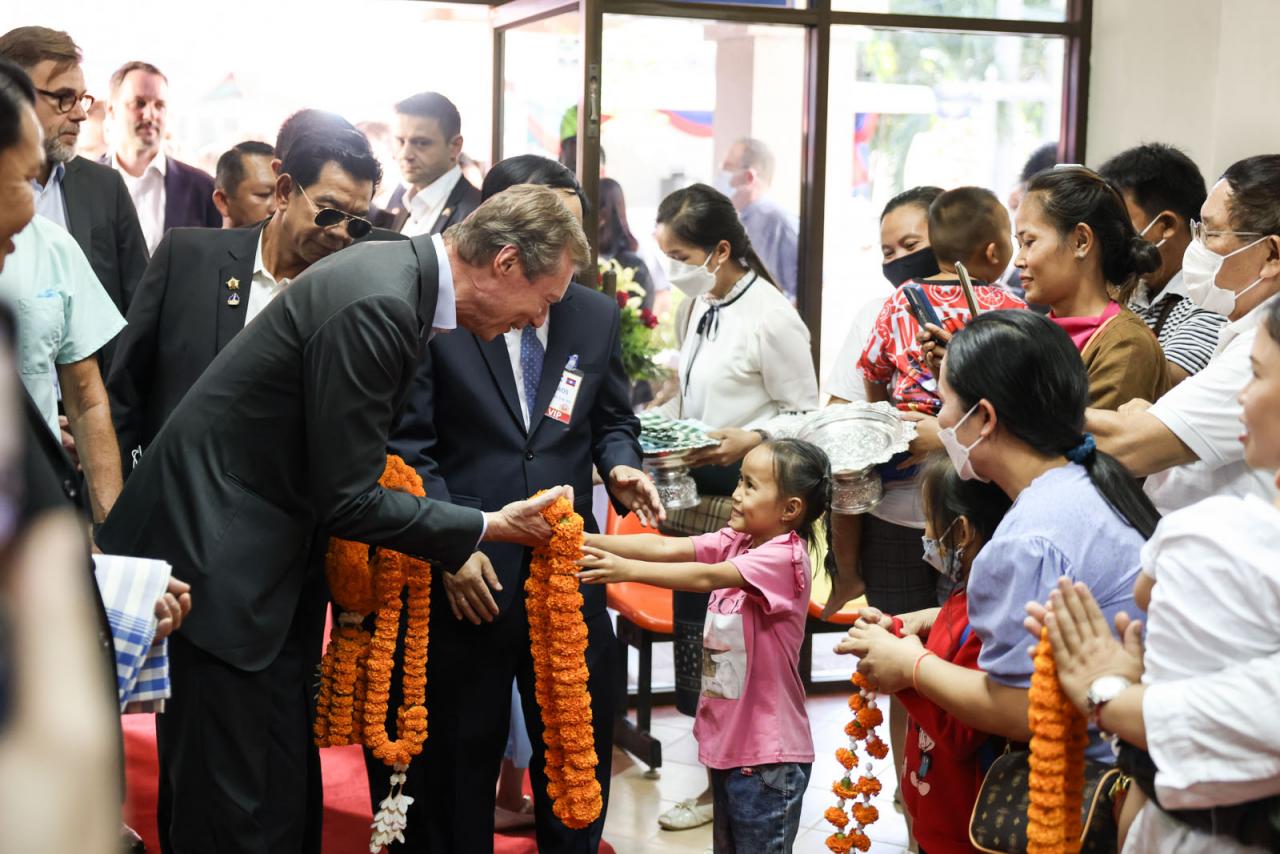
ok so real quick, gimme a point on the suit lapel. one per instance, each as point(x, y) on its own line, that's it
point(450, 206)
point(563, 316)
point(173, 189)
point(77, 215)
point(238, 266)
point(499, 362)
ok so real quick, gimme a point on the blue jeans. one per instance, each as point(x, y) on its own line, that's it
point(757, 808)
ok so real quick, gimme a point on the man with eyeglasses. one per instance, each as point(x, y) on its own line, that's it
point(167, 193)
point(1187, 444)
point(86, 198)
point(204, 285)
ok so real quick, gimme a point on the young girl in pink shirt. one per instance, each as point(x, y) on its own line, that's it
point(751, 726)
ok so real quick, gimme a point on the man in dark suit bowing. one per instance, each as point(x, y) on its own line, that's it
point(435, 195)
point(281, 443)
point(542, 405)
point(204, 285)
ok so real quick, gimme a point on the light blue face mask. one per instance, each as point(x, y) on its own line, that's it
point(950, 564)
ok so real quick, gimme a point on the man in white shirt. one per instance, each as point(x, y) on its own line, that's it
point(203, 286)
point(1187, 443)
point(166, 192)
point(745, 177)
point(428, 142)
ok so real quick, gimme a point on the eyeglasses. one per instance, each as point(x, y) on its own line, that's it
point(1199, 232)
point(66, 100)
point(357, 226)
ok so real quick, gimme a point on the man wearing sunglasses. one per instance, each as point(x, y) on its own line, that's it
point(204, 285)
point(88, 199)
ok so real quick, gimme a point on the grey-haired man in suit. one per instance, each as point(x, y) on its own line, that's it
point(280, 444)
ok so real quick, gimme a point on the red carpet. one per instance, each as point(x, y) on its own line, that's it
point(346, 796)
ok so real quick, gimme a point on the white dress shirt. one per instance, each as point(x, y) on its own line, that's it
point(426, 205)
point(264, 287)
point(446, 316)
point(147, 192)
point(1204, 412)
point(512, 338)
point(755, 366)
point(1215, 566)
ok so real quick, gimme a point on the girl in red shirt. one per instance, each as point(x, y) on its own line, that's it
point(942, 769)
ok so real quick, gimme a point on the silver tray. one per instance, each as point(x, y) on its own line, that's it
point(858, 435)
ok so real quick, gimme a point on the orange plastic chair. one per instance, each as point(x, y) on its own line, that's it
point(644, 618)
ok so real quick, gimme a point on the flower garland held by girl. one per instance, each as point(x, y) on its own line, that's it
point(862, 728)
point(558, 639)
point(355, 674)
point(1059, 735)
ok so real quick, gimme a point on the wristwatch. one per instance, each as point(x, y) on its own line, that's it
point(1103, 690)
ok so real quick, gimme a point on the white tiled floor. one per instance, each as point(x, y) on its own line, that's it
point(635, 802)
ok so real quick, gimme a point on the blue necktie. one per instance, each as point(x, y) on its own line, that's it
point(531, 353)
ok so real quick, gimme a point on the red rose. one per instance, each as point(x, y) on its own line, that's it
point(622, 299)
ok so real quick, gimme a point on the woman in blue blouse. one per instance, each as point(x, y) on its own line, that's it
point(1014, 393)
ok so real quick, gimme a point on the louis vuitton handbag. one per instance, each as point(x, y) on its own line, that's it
point(999, 820)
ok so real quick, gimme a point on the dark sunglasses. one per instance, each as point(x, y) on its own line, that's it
point(357, 226)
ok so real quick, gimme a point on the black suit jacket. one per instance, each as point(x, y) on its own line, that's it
point(462, 428)
point(461, 202)
point(282, 440)
point(100, 216)
point(179, 321)
point(188, 197)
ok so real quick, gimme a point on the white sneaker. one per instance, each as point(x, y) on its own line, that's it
point(686, 815)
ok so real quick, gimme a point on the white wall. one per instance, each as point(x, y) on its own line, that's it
point(1199, 74)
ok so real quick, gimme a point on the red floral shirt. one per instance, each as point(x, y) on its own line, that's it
point(892, 355)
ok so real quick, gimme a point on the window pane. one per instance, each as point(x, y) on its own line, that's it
point(1009, 10)
point(775, 4)
point(922, 108)
point(674, 109)
point(222, 92)
point(542, 78)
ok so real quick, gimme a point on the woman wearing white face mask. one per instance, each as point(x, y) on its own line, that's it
point(745, 356)
point(1014, 392)
point(1186, 444)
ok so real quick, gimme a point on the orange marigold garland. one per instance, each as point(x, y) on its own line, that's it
point(355, 675)
point(558, 641)
point(866, 718)
point(1059, 736)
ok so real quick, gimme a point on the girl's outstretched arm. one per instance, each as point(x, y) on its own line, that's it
point(601, 567)
point(644, 546)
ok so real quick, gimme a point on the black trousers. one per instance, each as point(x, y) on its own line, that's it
point(238, 769)
point(453, 782)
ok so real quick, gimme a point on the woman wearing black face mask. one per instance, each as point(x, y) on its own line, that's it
point(904, 240)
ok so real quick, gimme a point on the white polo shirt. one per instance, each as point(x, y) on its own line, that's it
point(1204, 412)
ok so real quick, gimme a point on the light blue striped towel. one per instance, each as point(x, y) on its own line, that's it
point(130, 587)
